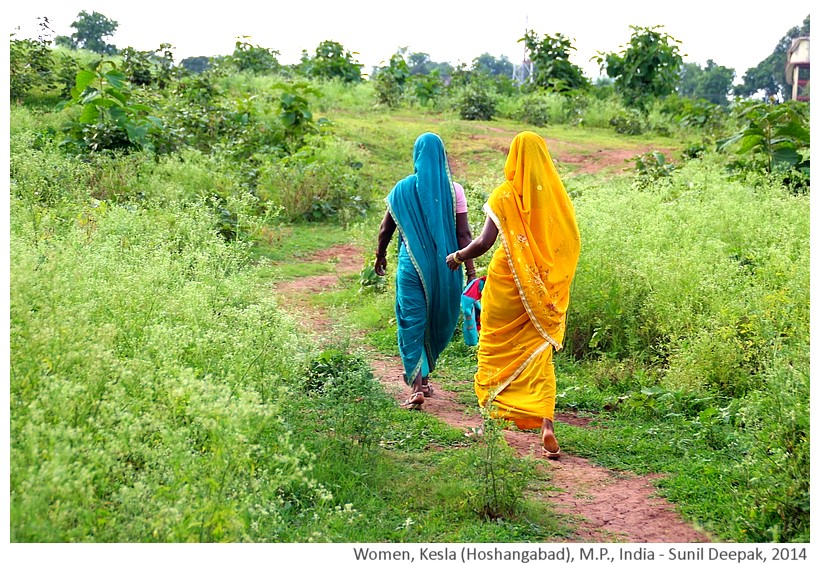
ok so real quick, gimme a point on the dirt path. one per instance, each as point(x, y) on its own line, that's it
point(609, 506)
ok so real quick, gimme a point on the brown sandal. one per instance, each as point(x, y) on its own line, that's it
point(427, 389)
point(550, 454)
point(414, 402)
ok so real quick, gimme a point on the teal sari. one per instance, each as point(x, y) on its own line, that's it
point(428, 293)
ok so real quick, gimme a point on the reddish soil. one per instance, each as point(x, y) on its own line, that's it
point(606, 506)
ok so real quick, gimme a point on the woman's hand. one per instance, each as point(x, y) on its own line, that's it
point(380, 265)
point(452, 263)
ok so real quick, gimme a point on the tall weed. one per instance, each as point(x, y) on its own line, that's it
point(145, 386)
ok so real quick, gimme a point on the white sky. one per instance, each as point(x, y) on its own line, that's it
point(735, 34)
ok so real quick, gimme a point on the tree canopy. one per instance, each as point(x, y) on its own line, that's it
point(331, 60)
point(553, 69)
point(91, 31)
point(769, 76)
point(712, 83)
point(647, 68)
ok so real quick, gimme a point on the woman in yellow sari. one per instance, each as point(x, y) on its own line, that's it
point(526, 294)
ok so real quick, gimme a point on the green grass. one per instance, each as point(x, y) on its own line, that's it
point(159, 393)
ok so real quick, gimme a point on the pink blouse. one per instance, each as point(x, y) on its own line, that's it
point(461, 199)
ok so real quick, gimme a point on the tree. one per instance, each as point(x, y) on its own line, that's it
point(30, 62)
point(390, 80)
point(419, 63)
point(332, 61)
point(91, 29)
point(712, 83)
point(550, 56)
point(647, 69)
point(254, 58)
point(494, 67)
point(769, 76)
point(422, 64)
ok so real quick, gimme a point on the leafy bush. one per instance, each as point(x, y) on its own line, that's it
point(253, 58)
point(332, 61)
point(319, 183)
point(110, 119)
point(776, 133)
point(651, 168)
point(389, 81)
point(475, 103)
point(31, 66)
point(629, 122)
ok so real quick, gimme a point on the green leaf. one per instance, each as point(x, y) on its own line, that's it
point(721, 144)
point(115, 78)
point(119, 115)
point(83, 79)
point(90, 114)
point(794, 130)
point(104, 102)
point(116, 94)
point(89, 97)
point(787, 155)
point(751, 142)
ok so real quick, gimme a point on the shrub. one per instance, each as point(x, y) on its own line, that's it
point(476, 103)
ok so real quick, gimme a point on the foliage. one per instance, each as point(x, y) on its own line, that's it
point(421, 64)
point(540, 108)
point(709, 290)
point(712, 83)
point(769, 76)
point(149, 68)
point(90, 33)
point(109, 118)
point(553, 69)
point(30, 63)
point(701, 116)
point(296, 116)
point(500, 475)
point(493, 66)
point(159, 424)
point(651, 168)
point(331, 61)
point(646, 69)
point(195, 64)
point(689, 322)
point(318, 183)
point(254, 58)
point(390, 81)
point(370, 281)
point(777, 133)
point(476, 103)
point(428, 89)
point(629, 122)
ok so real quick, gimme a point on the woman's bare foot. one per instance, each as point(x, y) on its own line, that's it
point(549, 444)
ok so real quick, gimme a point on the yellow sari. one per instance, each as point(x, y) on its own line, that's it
point(526, 295)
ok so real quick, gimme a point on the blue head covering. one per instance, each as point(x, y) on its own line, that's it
point(423, 207)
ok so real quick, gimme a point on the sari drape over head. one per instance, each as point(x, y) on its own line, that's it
point(526, 295)
point(427, 292)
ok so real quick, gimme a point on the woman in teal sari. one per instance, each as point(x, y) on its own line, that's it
point(430, 212)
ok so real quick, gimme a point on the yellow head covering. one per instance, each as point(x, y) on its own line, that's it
point(536, 223)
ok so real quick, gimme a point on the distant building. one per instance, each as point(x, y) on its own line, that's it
point(797, 68)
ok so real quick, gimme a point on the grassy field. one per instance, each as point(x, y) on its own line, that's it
point(160, 391)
